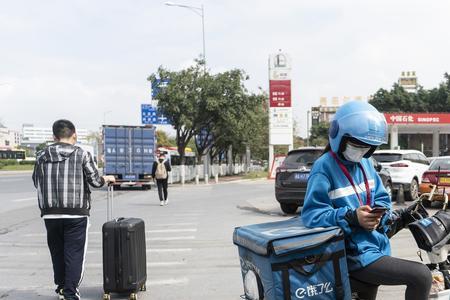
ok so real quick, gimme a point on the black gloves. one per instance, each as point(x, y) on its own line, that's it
point(402, 217)
point(414, 212)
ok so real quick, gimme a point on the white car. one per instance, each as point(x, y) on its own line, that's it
point(406, 168)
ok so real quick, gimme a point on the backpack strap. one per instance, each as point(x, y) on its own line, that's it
point(340, 293)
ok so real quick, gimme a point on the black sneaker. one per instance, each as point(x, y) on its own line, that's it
point(60, 292)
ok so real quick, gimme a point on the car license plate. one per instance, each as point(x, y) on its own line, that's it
point(444, 180)
point(301, 176)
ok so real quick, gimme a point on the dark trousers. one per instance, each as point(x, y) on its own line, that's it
point(392, 271)
point(162, 188)
point(67, 241)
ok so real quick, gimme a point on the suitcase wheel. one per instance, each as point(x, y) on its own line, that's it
point(133, 296)
point(143, 288)
point(106, 297)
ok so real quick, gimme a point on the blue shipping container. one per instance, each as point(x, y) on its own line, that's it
point(129, 151)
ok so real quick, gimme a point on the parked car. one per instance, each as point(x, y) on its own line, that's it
point(384, 175)
point(437, 174)
point(406, 168)
point(292, 176)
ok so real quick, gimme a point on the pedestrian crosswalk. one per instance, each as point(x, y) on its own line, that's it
point(170, 243)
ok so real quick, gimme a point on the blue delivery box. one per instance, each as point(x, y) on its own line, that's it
point(285, 261)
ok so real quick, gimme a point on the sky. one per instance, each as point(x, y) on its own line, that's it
point(88, 61)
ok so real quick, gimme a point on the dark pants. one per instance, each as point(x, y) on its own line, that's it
point(392, 271)
point(67, 241)
point(162, 188)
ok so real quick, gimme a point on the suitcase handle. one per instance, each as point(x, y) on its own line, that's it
point(109, 202)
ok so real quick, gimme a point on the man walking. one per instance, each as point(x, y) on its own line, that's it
point(160, 170)
point(62, 175)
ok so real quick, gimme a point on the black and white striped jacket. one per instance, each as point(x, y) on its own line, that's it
point(62, 175)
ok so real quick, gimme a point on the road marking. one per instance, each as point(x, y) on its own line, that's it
point(27, 245)
point(165, 250)
point(19, 254)
point(24, 199)
point(173, 230)
point(173, 281)
point(166, 264)
point(153, 250)
point(13, 179)
point(172, 238)
point(150, 264)
point(99, 232)
point(175, 224)
point(188, 215)
point(35, 235)
point(148, 231)
point(170, 281)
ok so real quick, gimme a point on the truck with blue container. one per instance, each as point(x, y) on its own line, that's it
point(129, 153)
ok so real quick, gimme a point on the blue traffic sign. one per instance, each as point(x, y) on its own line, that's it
point(151, 115)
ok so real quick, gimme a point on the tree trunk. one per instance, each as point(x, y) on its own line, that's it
point(181, 150)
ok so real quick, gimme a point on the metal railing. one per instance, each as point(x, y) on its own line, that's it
point(222, 170)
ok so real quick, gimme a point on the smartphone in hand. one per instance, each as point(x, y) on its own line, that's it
point(379, 210)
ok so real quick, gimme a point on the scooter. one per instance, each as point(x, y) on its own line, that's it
point(435, 242)
point(432, 235)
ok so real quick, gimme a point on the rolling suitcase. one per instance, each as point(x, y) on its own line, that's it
point(124, 254)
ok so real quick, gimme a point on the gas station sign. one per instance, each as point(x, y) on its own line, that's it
point(417, 118)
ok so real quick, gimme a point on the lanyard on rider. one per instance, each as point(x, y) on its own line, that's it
point(347, 174)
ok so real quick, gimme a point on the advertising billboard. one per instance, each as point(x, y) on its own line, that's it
point(280, 100)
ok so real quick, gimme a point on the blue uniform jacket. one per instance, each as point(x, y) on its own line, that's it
point(330, 195)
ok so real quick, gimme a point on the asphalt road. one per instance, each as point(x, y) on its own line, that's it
point(190, 254)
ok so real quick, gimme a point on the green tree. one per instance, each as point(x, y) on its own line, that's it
point(395, 100)
point(185, 101)
point(299, 142)
point(163, 140)
point(398, 100)
point(219, 106)
point(258, 134)
point(244, 124)
point(319, 134)
point(439, 98)
point(229, 110)
point(41, 147)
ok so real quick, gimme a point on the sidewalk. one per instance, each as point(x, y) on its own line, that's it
point(222, 180)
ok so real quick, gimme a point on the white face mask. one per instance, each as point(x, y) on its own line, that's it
point(354, 154)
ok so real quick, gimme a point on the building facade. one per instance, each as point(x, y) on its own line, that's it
point(33, 136)
point(408, 81)
point(9, 139)
point(327, 109)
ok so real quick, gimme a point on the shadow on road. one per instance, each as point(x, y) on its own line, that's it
point(262, 211)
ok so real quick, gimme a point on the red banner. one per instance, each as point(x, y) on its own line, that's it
point(280, 93)
point(417, 118)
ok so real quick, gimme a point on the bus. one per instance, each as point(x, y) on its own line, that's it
point(174, 157)
point(12, 154)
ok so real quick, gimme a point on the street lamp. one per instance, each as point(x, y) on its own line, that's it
point(308, 118)
point(200, 12)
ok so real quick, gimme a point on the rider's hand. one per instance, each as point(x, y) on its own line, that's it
point(367, 219)
point(109, 178)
